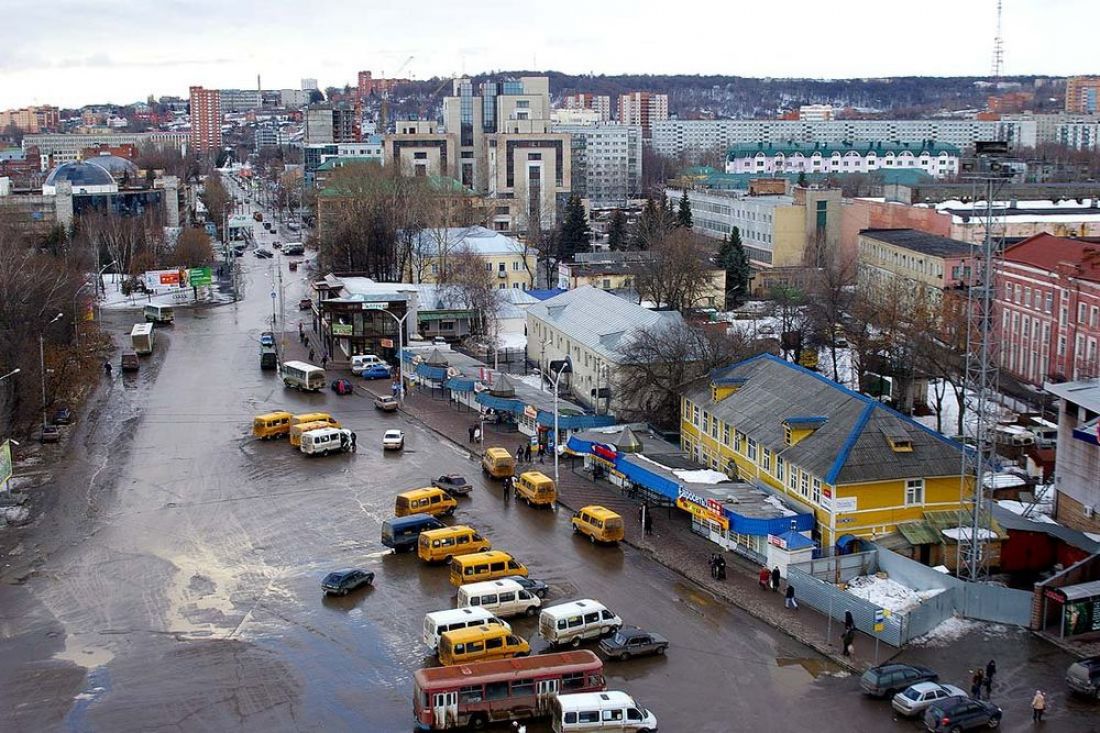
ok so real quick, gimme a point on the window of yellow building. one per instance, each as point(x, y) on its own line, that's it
point(725, 434)
point(714, 427)
point(787, 434)
point(914, 491)
point(706, 422)
point(695, 415)
point(804, 483)
point(816, 496)
point(779, 468)
point(792, 479)
point(752, 450)
point(766, 459)
point(739, 442)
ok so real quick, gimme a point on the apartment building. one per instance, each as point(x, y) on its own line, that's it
point(513, 265)
point(1076, 488)
point(607, 162)
point(422, 149)
point(1083, 94)
point(240, 100)
point(31, 119)
point(1047, 309)
point(598, 103)
point(206, 120)
point(911, 267)
point(938, 160)
point(326, 124)
point(644, 109)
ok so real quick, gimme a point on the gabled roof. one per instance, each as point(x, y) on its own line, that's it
point(849, 447)
point(476, 239)
point(1047, 252)
point(917, 241)
point(599, 320)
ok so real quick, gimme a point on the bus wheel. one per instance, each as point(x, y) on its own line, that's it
point(478, 722)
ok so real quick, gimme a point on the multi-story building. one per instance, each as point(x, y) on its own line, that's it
point(309, 85)
point(368, 85)
point(815, 112)
point(1021, 219)
point(598, 103)
point(420, 148)
point(861, 466)
point(1083, 94)
point(1047, 309)
point(643, 108)
point(240, 100)
point(512, 264)
point(590, 327)
point(607, 162)
point(327, 124)
point(206, 120)
point(575, 117)
point(533, 166)
point(936, 159)
point(31, 119)
point(673, 137)
point(777, 230)
point(911, 268)
point(293, 98)
point(1076, 488)
point(616, 272)
point(56, 148)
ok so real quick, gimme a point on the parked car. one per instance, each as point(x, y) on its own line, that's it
point(62, 416)
point(393, 440)
point(453, 483)
point(342, 386)
point(267, 338)
point(439, 341)
point(342, 582)
point(887, 680)
point(914, 699)
point(130, 362)
point(305, 304)
point(264, 254)
point(378, 371)
point(277, 244)
point(959, 714)
point(50, 434)
point(630, 641)
point(533, 586)
point(1083, 677)
point(385, 403)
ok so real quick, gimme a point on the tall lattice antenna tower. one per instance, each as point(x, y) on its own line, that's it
point(998, 47)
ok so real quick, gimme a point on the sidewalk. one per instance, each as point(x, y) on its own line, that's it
point(672, 543)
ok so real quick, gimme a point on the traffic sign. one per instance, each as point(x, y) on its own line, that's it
point(880, 619)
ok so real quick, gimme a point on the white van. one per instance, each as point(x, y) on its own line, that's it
point(159, 313)
point(359, 362)
point(436, 622)
point(141, 338)
point(301, 375)
point(323, 441)
point(570, 623)
point(502, 597)
point(600, 711)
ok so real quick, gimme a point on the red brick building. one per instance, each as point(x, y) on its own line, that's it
point(206, 120)
point(1048, 309)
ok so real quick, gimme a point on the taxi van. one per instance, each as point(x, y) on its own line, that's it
point(271, 425)
point(424, 501)
point(442, 544)
point(484, 566)
point(536, 488)
point(498, 462)
point(503, 597)
point(599, 523)
point(438, 622)
point(480, 644)
point(329, 420)
point(297, 429)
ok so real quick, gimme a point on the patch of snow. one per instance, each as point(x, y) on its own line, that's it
point(890, 594)
point(701, 476)
point(533, 380)
point(1025, 510)
point(512, 341)
point(959, 532)
point(1002, 481)
point(14, 514)
point(778, 504)
point(1094, 536)
point(949, 631)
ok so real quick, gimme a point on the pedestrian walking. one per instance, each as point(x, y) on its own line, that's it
point(542, 450)
point(765, 577)
point(789, 600)
point(519, 454)
point(354, 437)
point(470, 432)
point(527, 453)
point(107, 367)
point(301, 332)
point(849, 621)
point(976, 684)
point(477, 435)
point(990, 670)
point(848, 641)
point(509, 486)
point(305, 340)
point(1038, 706)
point(775, 579)
point(649, 523)
point(311, 354)
point(721, 568)
point(324, 361)
point(713, 565)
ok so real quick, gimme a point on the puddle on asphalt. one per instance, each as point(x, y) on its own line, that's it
point(84, 655)
point(96, 685)
point(816, 667)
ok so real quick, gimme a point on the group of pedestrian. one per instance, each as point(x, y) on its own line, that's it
point(717, 566)
point(980, 678)
point(524, 453)
point(475, 433)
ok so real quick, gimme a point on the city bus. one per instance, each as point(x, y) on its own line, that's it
point(299, 375)
point(479, 693)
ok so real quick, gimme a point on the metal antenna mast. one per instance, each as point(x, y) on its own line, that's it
point(998, 48)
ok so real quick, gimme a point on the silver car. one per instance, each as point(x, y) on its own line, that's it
point(914, 699)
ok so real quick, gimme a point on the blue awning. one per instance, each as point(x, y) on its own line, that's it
point(574, 422)
point(460, 384)
point(648, 479)
point(500, 404)
point(435, 373)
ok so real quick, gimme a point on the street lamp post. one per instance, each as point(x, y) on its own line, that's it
point(42, 362)
point(97, 283)
point(400, 351)
point(557, 368)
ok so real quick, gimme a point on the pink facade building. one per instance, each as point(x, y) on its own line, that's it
point(1048, 309)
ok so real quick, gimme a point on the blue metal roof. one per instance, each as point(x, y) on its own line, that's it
point(795, 540)
point(460, 384)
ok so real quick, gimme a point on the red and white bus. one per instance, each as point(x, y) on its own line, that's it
point(479, 693)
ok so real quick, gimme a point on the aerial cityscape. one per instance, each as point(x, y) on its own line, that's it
point(464, 367)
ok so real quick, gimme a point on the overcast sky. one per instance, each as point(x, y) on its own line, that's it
point(74, 52)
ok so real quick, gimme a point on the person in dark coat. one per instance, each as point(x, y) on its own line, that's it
point(353, 439)
point(775, 579)
point(990, 670)
point(847, 640)
point(789, 600)
point(721, 568)
point(542, 451)
point(976, 684)
point(649, 523)
point(849, 621)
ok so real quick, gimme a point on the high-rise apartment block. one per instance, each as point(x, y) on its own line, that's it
point(369, 85)
point(240, 100)
point(31, 119)
point(1083, 94)
point(643, 108)
point(326, 124)
point(600, 103)
point(206, 120)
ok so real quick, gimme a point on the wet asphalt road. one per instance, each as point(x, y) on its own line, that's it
point(173, 585)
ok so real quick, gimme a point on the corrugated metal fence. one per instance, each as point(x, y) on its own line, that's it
point(831, 600)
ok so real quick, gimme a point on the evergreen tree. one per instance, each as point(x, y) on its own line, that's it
point(802, 178)
point(683, 213)
point(649, 223)
point(616, 231)
point(575, 233)
point(668, 215)
point(732, 259)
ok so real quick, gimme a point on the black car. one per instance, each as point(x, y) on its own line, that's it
point(630, 641)
point(1083, 677)
point(453, 484)
point(264, 254)
point(62, 416)
point(342, 582)
point(533, 586)
point(889, 679)
point(961, 713)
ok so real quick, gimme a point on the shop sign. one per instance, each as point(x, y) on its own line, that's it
point(530, 412)
point(777, 541)
point(386, 343)
point(605, 452)
point(342, 329)
point(842, 504)
point(367, 306)
point(709, 510)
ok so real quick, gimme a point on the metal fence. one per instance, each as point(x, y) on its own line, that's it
point(840, 568)
point(832, 601)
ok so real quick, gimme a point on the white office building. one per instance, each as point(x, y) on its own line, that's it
point(936, 159)
point(607, 162)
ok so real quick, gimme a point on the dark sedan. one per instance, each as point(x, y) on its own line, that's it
point(961, 713)
point(534, 586)
point(62, 416)
point(453, 484)
point(888, 680)
point(342, 582)
point(630, 641)
point(341, 386)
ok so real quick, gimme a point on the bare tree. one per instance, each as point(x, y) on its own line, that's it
point(470, 284)
point(217, 201)
point(675, 271)
point(192, 249)
point(831, 292)
point(132, 242)
point(658, 362)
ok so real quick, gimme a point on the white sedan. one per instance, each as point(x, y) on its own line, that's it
point(914, 699)
point(393, 440)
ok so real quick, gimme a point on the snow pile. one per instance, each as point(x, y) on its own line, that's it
point(1002, 481)
point(701, 476)
point(951, 630)
point(886, 593)
point(775, 502)
point(533, 380)
point(512, 341)
point(956, 533)
point(14, 514)
point(1026, 510)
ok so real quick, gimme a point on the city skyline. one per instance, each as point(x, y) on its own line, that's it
point(69, 54)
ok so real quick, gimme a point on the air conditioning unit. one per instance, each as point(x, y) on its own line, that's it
point(1089, 511)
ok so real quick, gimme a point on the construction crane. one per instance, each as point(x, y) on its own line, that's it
point(384, 111)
